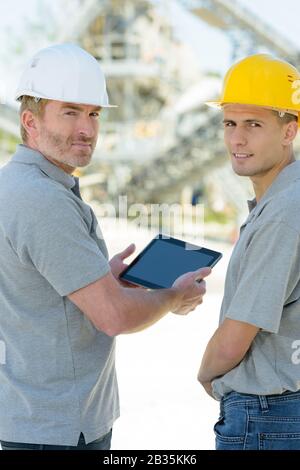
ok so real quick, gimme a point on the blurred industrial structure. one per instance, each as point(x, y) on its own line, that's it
point(162, 144)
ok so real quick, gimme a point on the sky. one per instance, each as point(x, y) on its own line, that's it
point(214, 48)
point(283, 15)
point(211, 47)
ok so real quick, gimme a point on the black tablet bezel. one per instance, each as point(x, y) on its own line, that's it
point(175, 241)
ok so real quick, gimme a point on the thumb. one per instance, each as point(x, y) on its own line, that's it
point(201, 273)
point(128, 251)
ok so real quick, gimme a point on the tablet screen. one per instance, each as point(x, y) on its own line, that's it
point(164, 260)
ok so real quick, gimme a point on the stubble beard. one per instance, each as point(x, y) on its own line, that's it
point(59, 148)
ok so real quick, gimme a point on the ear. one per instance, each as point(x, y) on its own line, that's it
point(290, 132)
point(30, 122)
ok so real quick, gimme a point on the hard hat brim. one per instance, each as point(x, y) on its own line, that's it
point(219, 105)
point(214, 104)
point(21, 93)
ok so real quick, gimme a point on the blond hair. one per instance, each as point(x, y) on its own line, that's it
point(36, 106)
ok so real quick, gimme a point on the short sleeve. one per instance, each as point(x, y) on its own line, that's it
point(56, 240)
point(268, 275)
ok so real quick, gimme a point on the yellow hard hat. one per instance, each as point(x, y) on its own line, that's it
point(262, 80)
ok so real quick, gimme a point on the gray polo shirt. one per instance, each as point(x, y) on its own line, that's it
point(58, 375)
point(262, 288)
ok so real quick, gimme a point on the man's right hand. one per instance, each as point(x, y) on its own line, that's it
point(114, 309)
point(192, 289)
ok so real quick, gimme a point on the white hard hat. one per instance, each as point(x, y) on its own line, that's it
point(64, 72)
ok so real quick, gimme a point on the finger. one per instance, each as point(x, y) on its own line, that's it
point(201, 286)
point(128, 251)
point(128, 284)
point(199, 274)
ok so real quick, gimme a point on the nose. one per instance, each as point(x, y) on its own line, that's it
point(86, 127)
point(237, 137)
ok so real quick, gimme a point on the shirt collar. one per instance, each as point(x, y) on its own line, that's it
point(28, 156)
point(283, 180)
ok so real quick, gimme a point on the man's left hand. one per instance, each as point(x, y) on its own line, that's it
point(117, 264)
point(208, 388)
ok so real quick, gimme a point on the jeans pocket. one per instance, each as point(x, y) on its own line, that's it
point(225, 441)
point(279, 441)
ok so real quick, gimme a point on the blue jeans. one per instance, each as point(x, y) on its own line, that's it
point(103, 443)
point(258, 422)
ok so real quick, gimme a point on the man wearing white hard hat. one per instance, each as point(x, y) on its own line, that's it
point(252, 362)
point(61, 301)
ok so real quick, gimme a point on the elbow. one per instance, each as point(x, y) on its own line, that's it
point(109, 331)
point(110, 317)
point(111, 325)
point(202, 377)
point(110, 328)
point(199, 378)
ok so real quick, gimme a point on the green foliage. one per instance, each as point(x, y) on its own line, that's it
point(217, 216)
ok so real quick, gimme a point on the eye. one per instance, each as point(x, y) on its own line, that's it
point(70, 113)
point(95, 114)
point(229, 124)
point(254, 124)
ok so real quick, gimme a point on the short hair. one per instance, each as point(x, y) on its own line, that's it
point(286, 118)
point(36, 106)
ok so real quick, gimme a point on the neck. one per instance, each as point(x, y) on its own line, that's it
point(262, 182)
point(63, 166)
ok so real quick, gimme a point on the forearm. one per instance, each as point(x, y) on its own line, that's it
point(142, 308)
point(226, 349)
point(114, 309)
point(215, 362)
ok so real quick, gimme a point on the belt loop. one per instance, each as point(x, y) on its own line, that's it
point(263, 403)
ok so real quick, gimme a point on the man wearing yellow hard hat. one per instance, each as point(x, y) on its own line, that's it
point(252, 362)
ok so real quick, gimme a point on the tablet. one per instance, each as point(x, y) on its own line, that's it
point(164, 260)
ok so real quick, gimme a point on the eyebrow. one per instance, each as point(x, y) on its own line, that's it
point(246, 120)
point(78, 108)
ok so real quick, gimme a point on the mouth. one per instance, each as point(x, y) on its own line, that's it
point(242, 156)
point(81, 144)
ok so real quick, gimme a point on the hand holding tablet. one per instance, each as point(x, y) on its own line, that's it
point(164, 260)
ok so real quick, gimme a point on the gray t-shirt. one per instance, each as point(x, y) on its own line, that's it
point(262, 288)
point(58, 375)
